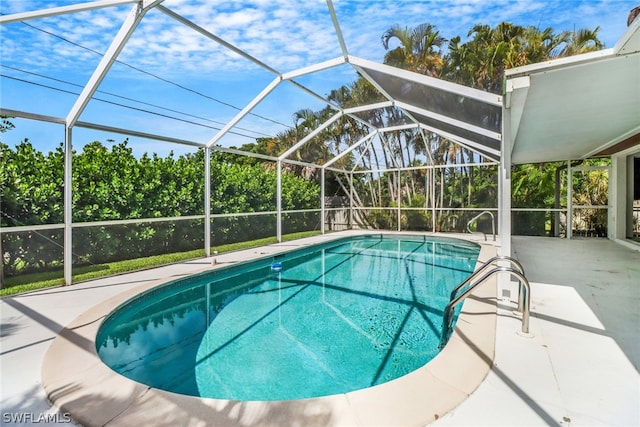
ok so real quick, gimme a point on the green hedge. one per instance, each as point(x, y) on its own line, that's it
point(113, 184)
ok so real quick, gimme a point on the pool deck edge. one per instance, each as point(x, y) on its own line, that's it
point(76, 380)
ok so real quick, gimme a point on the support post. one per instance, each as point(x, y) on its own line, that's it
point(504, 184)
point(322, 204)
point(351, 200)
point(68, 213)
point(1, 260)
point(279, 202)
point(399, 200)
point(613, 211)
point(433, 199)
point(207, 202)
point(569, 200)
point(556, 204)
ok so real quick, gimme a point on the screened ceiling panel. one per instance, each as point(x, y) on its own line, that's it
point(226, 74)
point(224, 55)
point(383, 117)
point(450, 131)
point(455, 106)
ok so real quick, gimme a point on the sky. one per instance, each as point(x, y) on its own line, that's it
point(173, 81)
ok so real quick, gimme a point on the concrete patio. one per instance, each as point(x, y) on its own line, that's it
point(579, 368)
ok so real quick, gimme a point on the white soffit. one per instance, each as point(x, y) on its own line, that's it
point(575, 107)
point(630, 41)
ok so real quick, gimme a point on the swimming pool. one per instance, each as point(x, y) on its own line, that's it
point(334, 318)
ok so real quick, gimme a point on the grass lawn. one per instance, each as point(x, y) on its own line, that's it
point(32, 282)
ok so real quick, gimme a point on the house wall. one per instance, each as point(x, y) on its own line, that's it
point(621, 186)
point(617, 197)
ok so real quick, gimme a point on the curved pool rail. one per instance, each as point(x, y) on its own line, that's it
point(78, 382)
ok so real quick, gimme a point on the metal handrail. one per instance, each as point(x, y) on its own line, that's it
point(526, 299)
point(493, 224)
point(486, 265)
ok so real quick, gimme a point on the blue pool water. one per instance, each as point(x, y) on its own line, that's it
point(323, 320)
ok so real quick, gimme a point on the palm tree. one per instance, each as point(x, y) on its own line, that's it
point(419, 49)
point(581, 41)
point(481, 61)
point(535, 46)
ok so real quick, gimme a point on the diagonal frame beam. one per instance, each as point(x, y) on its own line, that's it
point(446, 119)
point(62, 10)
point(215, 38)
point(350, 149)
point(246, 110)
point(313, 134)
point(336, 25)
point(465, 91)
point(474, 146)
point(128, 27)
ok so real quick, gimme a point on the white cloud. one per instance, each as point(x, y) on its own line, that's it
point(284, 34)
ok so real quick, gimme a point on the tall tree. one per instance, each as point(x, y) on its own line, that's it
point(581, 41)
point(419, 48)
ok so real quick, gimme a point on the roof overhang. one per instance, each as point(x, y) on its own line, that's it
point(575, 107)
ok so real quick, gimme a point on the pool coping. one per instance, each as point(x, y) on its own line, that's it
point(78, 382)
